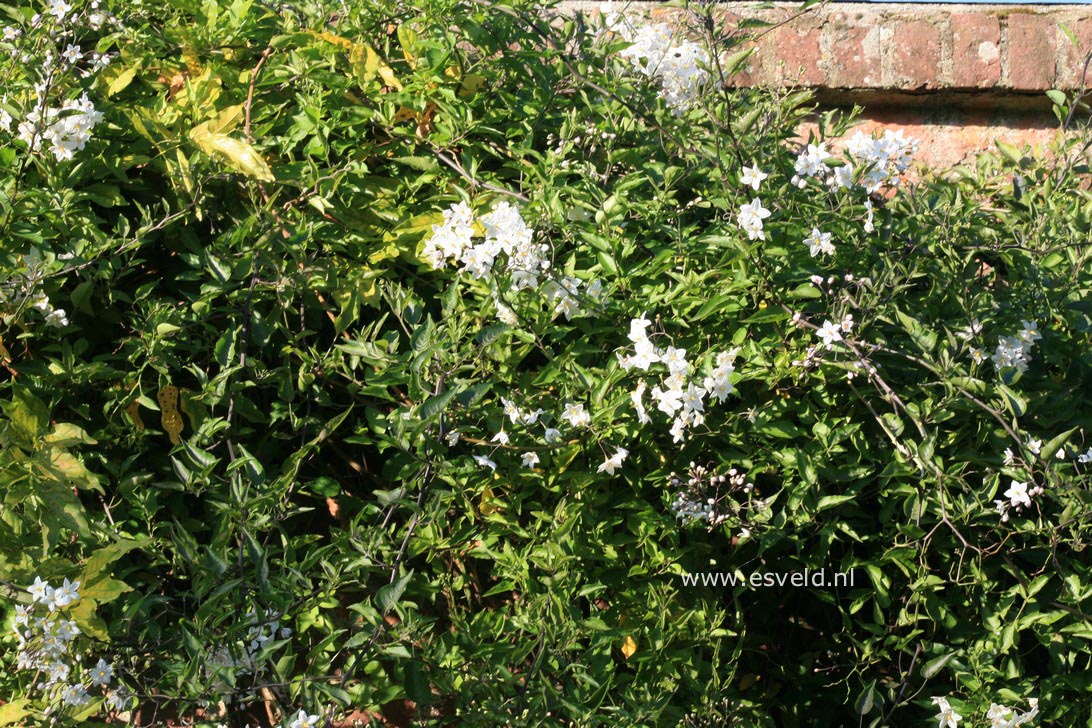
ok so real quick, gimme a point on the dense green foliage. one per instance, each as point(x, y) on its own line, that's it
point(240, 434)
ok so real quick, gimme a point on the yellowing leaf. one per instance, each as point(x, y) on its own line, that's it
point(471, 84)
point(133, 410)
point(226, 120)
point(629, 647)
point(168, 405)
point(122, 80)
point(488, 502)
point(365, 60)
point(15, 711)
point(238, 154)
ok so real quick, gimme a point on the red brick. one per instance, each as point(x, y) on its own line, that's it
point(1031, 49)
point(795, 58)
point(751, 74)
point(976, 50)
point(855, 55)
point(917, 55)
point(1069, 75)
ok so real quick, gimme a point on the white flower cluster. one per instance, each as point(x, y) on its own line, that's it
point(21, 289)
point(678, 65)
point(883, 160)
point(1000, 716)
point(1013, 351)
point(750, 219)
point(65, 130)
point(677, 395)
point(831, 332)
point(873, 163)
point(1019, 497)
point(243, 655)
point(45, 645)
point(707, 496)
point(505, 232)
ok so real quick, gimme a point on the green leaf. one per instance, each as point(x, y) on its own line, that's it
point(830, 501)
point(866, 701)
point(436, 404)
point(490, 334)
point(388, 596)
point(101, 558)
point(122, 80)
point(932, 667)
point(1056, 443)
point(104, 589)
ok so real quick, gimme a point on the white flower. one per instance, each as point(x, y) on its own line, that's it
point(948, 718)
point(1030, 334)
point(59, 9)
point(575, 415)
point(1008, 456)
point(506, 315)
point(552, 435)
point(302, 720)
point(819, 242)
point(675, 359)
point(67, 593)
point(501, 437)
point(40, 590)
point(668, 401)
point(750, 218)
point(843, 177)
point(637, 397)
point(1035, 445)
point(530, 459)
point(971, 331)
point(56, 318)
point(637, 328)
point(72, 53)
point(485, 462)
point(1085, 457)
point(511, 411)
point(692, 399)
point(74, 695)
point(1018, 494)
point(752, 176)
point(611, 464)
point(829, 332)
point(101, 673)
point(645, 355)
point(452, 437)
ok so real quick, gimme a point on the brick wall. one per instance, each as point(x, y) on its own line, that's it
point(958, 75)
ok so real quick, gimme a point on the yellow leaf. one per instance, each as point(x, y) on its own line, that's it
point(365, 60)
point(14, 712)
point(487, 503)
point(238, 154)
point(184, 169)
point(471, 84)
point(168, 405)
point(122, 80)
point(226, 120)
point(133, 410)
point(629, 647)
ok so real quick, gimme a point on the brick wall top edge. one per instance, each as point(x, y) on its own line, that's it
point(921, 48)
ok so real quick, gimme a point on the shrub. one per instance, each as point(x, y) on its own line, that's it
point(418, 360)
